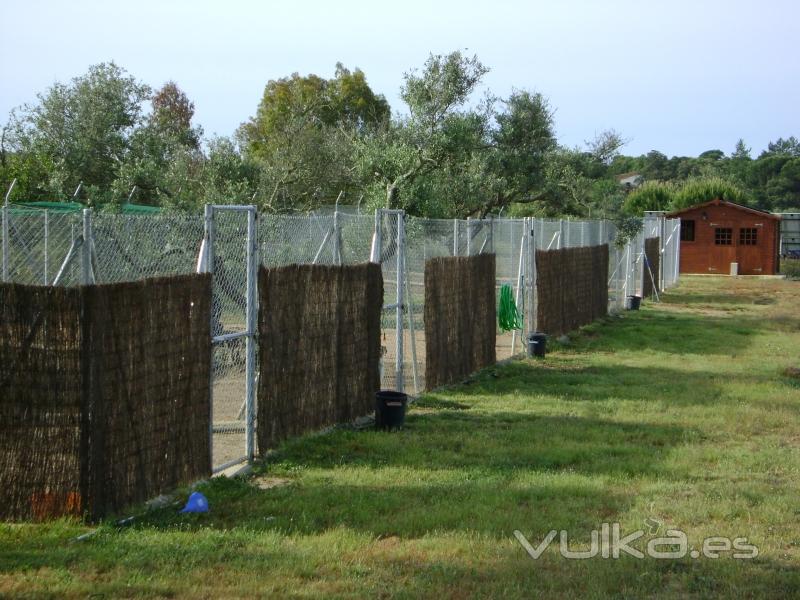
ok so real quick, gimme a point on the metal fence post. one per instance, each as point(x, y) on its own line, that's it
point(5, 242)
point(208, 233)
point(337, 250)
point(626, 287)
point(469, 236)
point(399, 383)
point(520, 295)
point(375, 255)
point(662, 230)
point(46, 242)
point(455, 237)
point(561, 240)
point(250, 341)
point(676, 240)
point(643, 262)
point(86, 248)
point(531, 235)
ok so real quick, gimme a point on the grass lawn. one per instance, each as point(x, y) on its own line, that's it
point(682, 415)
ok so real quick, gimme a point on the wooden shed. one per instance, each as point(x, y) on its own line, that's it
point(718, 233)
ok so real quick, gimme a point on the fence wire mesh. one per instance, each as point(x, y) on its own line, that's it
point(37, 247)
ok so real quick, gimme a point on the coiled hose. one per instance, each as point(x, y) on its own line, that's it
point(508, 317)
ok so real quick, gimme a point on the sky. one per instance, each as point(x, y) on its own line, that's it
point(677, 76)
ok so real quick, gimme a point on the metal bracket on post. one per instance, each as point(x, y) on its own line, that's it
point(8, 193)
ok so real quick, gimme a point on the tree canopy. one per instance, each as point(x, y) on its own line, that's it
point(453, 149)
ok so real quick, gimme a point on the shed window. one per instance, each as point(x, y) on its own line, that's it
point(687, 231)
point(748, 236)
point(723, 236)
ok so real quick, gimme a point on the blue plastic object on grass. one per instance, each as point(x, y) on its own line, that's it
point(197, 503)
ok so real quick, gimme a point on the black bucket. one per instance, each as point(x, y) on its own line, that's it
point(537, 344)
point(390, 409)
point(632, 302)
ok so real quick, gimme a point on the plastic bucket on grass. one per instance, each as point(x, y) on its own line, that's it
point(537, 344)
point(390, 409)
point(632, 302)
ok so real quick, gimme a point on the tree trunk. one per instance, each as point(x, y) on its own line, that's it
point(391, 195)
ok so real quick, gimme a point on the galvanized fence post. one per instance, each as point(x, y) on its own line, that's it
point(399, 383)
point(626, 287)
point(5, 242)
point(531, 235)
point(375, 254)
point(676, 240)
point(455, 237)
point(46, 242)
point(208, 233)
point(86, 248)
point(252, 325)
point(521, 291)
point(337, 240)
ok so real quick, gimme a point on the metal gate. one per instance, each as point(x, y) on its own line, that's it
point(229, 252)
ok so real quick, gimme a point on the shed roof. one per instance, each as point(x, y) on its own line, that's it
point(720, 202)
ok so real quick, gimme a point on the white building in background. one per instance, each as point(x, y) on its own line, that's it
point(790, 233)
point(630, 180)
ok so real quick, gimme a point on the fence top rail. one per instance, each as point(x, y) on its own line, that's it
point(235, 207)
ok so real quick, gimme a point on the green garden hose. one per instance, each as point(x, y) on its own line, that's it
point(507, 314)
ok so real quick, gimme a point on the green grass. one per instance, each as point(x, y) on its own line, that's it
point(680, 413)
point(791, 268)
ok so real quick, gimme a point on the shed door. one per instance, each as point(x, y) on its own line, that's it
point(750, 241)
point(723, 247)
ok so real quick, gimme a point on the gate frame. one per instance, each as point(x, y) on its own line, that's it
point(205, 264)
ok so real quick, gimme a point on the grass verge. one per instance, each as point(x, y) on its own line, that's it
point(683, 415)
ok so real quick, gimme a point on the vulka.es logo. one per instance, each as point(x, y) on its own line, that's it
point(609, 542)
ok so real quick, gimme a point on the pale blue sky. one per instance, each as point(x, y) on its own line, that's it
point(678, 76)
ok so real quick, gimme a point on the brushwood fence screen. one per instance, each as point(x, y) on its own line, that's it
point(460, 309)
point(571, 287)
point(652, 256)
point(319, 347)
point(105, 394)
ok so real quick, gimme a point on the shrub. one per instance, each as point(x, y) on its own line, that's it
point(698, 190)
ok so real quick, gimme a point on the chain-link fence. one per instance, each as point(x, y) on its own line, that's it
point(49, 248)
